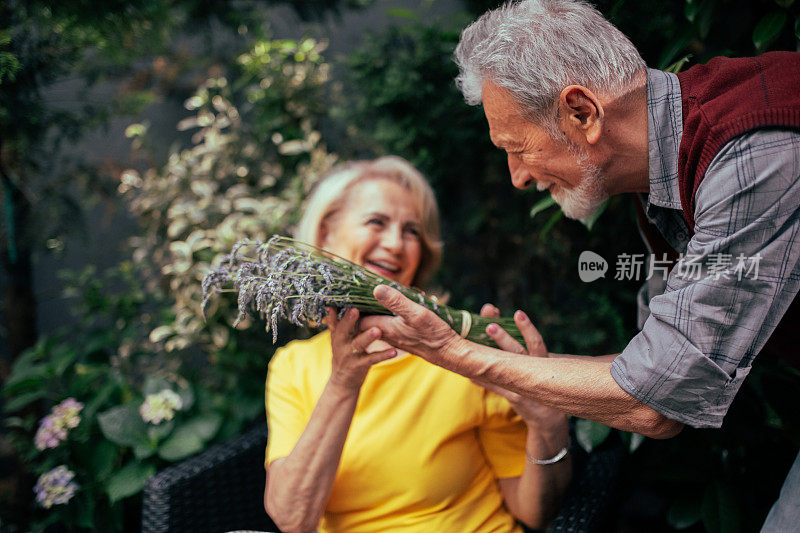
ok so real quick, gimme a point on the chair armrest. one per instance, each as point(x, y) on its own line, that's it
point(218, 490)
point(591, 497)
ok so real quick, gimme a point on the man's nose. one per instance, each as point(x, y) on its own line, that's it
point(520, 176)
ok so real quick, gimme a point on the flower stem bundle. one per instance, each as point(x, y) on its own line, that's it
point(288, 279)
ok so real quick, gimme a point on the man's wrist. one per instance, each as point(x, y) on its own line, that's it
point(466, 358)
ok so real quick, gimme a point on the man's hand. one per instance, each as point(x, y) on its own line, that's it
point(414, 329)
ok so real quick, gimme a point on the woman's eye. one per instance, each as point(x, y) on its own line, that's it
point(413, 231)
point(376, 221)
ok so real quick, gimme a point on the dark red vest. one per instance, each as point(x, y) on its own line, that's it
point(721, 100)
point(726, 98)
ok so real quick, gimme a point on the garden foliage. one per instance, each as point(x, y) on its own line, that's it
point(158, 382)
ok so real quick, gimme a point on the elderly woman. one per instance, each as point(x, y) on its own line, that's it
point(365, 438)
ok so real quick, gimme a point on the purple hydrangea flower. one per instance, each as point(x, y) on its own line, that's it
point(55, 487)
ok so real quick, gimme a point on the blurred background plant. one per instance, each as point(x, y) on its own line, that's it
point(260, 115)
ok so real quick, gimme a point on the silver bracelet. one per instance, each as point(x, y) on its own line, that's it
point(556, 458)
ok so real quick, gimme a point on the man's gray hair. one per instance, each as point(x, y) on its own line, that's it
point(535, 48)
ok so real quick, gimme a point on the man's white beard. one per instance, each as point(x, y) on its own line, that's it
point(582, 201)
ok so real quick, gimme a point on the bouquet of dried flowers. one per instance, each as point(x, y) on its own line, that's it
point(285, 278)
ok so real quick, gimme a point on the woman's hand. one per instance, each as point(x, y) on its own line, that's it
point(542, 418)
point(351, 361)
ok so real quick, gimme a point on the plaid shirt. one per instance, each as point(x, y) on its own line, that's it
point(699, 340)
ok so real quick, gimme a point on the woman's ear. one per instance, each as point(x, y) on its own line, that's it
point(581, 113)
point(322, 234)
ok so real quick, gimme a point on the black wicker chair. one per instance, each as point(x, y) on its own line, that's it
point(222, 489)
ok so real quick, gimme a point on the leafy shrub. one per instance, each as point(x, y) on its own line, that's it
point(156, 382)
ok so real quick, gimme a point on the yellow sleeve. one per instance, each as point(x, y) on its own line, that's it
point(502, 436)
point(287, 412)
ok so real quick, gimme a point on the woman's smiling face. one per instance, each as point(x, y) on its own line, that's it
point(378, 227)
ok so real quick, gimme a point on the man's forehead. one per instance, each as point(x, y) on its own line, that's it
point(503, 115)
point(497, 100)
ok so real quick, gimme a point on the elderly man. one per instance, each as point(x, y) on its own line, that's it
point(714, 157)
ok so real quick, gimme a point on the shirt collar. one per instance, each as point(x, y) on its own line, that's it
point(664, 131)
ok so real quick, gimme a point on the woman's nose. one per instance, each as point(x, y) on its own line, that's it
point(520, 177)
point(392, 238)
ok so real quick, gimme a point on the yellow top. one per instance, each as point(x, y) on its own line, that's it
point(424, 449)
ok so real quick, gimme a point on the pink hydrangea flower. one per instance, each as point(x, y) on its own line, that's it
point(160, 406)
point(53, 428)
point(69, 412)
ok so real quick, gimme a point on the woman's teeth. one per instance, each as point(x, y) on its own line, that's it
point(385, 266)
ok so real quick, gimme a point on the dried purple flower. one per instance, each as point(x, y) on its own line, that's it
point(283, 278)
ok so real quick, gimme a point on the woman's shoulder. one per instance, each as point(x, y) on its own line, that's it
point(303, 352)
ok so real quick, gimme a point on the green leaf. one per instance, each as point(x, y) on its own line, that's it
point(677, 66)
point(590, 221)
point(63, 360)
point(684, 511)
point(18, 402)
point(123, 425)
point(590, 434)
point(542, 204)
point(153, 385)
point(129, 480)
point(26, 378)
point(677, 46)
point(102, 396)
point(768, 29)
point(144, 450)
point(401, 13)
point(204, 426)
point(633, 440)
point(157, 432)
point(690, 9)
point(555, 217)
point(102, 459)
point(183, 442)
point(705, 18)
point(18, 422)
point(187, 398)
point(797, 27)
point(784, 3)
point(720, 509)
point(85, 517)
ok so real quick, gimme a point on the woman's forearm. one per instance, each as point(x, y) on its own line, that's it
point(299, 485)
point(535, 496)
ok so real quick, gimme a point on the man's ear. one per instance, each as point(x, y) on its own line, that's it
point(581, 113)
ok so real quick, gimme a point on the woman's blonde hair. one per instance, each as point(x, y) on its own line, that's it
point(330, 195)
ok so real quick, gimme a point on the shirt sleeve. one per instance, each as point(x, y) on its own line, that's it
point(287, 413)
point(698, 344)
point(502, 437)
